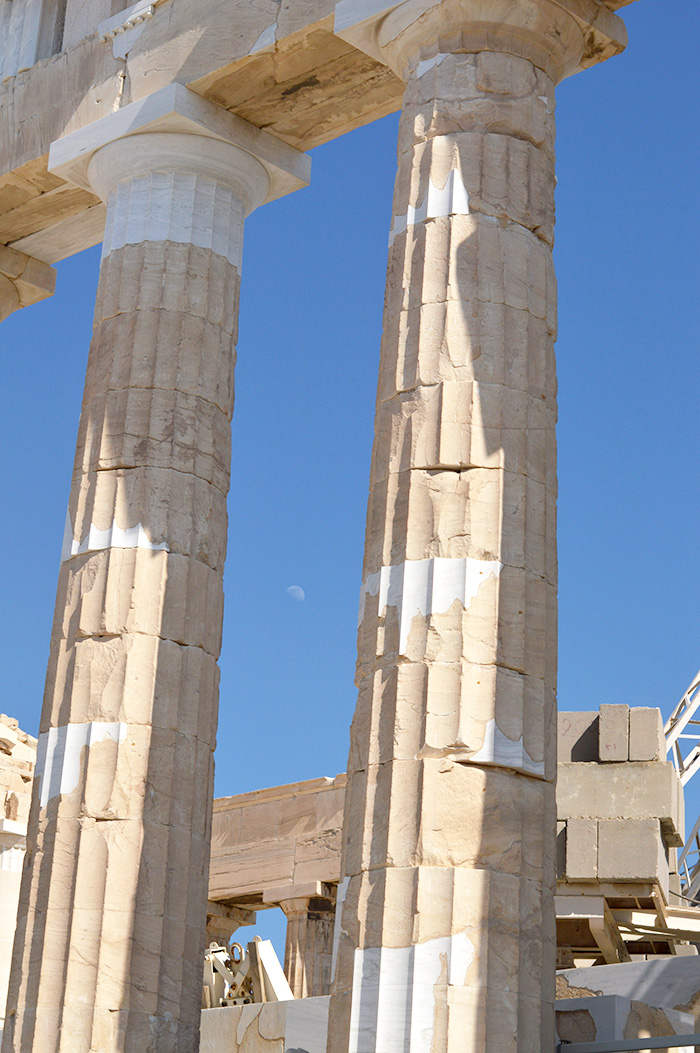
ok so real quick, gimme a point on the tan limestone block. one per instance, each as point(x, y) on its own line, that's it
point(447, 903)
point(636, 790)
point(178, 786)
point(317, 858)
point(483, 819)
point(440, 637)
point(464, 425)
point(9, 297)
point(271, 1022)
point(297, 816)
point(459, 702)
point(647, 742)
point(480, 92)
point(23, 280)
point(134, 590)
point(423, 514)
point(489, 343)
point(581, 849)
point(578, 736)
point(171, 276)
point(613, 733)
point(179, 352)
point(394, 791)
point(106, 780)
point(631, 850)
point(400, 690)
point(154, 428)
point(260, 822)
point(521, 707)
point(274, 859)
point(134, 679)
point(159, 506)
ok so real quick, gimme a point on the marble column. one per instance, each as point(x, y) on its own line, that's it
point(111, 925)
point(23, 281)
point(446, 935)
point(308, 945)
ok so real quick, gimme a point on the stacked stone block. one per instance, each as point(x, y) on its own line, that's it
point(620, 804)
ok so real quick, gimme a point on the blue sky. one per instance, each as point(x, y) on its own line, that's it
point(311, 305)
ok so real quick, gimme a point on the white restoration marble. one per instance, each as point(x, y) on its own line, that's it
point(59, 751)
point(427, 586)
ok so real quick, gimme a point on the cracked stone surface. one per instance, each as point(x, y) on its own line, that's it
point(447, 852)
point(112, 918)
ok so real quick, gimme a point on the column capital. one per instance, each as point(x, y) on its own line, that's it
point(296, 895)
point(180, 112)
point(23, 280)
point(559, 36)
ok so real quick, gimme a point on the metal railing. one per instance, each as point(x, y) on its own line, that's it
point(632, 1045)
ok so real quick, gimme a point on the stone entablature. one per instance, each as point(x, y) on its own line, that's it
point(270, 843)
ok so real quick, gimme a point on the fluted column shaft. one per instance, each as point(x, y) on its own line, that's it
point(112, 914)
point(308, 945)
point(446, 929)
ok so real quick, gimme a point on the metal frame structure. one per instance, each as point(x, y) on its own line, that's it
point(682, 728)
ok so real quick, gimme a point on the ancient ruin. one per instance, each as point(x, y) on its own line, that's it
point(432, 912)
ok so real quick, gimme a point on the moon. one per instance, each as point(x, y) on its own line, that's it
point(296, 592)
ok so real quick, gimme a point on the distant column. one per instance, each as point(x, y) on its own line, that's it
point(446, 935)
point(112, 915)
point(309, 945)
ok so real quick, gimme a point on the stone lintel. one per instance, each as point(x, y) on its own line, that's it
point(177, 109)
point(23, 280)
point(237, 914)
point(387, 31)
point(307, 890)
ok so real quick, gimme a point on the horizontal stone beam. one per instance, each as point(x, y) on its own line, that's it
point(23, 281)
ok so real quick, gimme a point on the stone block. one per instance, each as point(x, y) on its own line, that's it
point(631, 850)
point(613, 733)
point(577, 737)
point(581, 849)
point(636, 790)
point(610, 1018)
point(646, 742)
point(8, 738)
point(267, 1027)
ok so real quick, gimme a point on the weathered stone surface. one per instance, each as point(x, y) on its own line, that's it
point(23, 280)
point(456, 645)
point(647, 742)
point(269, 1027)
point(613, 733)
point(581, 849)
point(631, 849)
point(276, 840)
point(611, 1018)
point(636, 790)
point(577, 737)
point(111, 923)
